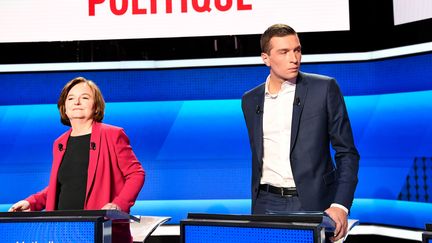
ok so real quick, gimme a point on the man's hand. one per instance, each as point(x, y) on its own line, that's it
point(340, 217)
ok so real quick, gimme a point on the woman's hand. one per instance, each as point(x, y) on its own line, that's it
point(21, 206)
point(111, 206)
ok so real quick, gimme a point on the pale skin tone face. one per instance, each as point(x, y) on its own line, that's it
point(80, 108)
point(283, 60)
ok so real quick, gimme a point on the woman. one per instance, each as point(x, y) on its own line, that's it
point(94, 166)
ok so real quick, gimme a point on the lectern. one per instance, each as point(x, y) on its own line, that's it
point(92, 226)
point(302, 227)
point(427, 235)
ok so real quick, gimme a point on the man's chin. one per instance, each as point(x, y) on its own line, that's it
point(292, 76)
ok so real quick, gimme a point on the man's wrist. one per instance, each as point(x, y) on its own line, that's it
point(337, 205)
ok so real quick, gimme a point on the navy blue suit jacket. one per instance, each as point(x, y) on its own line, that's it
point(319, 120)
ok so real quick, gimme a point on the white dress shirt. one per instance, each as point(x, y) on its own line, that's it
point(277, 117)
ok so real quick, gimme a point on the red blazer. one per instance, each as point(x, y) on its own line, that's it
point(114, 173)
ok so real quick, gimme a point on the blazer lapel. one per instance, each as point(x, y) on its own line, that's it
point(258, 106)
point(60, 149)
point(94, 147)
point(299, 101)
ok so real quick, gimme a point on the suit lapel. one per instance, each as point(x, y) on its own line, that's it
point(299, 101)
point(258, 106)
point(94, 147)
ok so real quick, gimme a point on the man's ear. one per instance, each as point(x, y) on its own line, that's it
point(265, 58)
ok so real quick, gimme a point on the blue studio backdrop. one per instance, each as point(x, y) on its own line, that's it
point(186, 127)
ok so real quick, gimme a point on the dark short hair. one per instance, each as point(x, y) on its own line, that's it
point(99, 101)
point(279, 30)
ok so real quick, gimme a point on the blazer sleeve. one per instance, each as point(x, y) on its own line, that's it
point(246, 113)
point(346, 154)
point(38, 200)
point(132, 172)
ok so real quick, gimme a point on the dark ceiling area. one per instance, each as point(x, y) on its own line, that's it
point(371, 29)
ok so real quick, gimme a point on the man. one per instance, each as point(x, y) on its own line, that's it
point(292, 119)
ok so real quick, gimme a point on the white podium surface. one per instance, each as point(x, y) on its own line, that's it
point(146, 225)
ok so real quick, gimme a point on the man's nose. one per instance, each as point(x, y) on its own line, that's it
point(292, 57)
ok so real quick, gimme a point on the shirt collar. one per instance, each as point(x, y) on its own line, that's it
point(286, 87)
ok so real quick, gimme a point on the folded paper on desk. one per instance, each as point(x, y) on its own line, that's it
point(146, 225)
point(351, 224)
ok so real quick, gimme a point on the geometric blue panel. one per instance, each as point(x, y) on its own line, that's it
point(220, 234)
point(418, 184)
point(50, 232)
